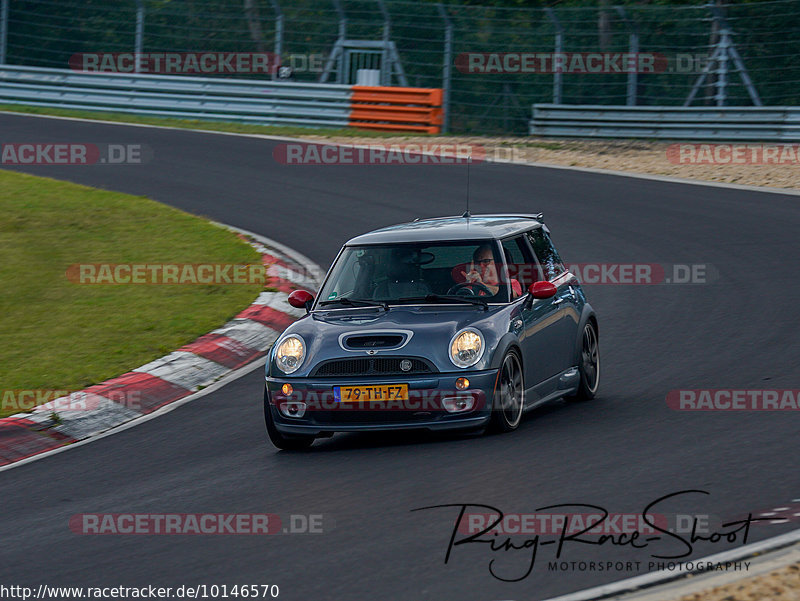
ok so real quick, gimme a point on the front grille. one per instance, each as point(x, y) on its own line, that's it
point(372, 366)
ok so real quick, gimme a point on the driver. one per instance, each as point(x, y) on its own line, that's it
point(483, 270)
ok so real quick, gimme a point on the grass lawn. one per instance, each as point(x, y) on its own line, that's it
point(226, 126)
point(55, 334)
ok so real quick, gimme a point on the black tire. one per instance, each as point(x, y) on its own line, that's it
point(283, 441)
point(509, 398)
point(588, 364)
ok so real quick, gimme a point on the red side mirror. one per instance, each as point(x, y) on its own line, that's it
point(542, 289)
point(301, 299)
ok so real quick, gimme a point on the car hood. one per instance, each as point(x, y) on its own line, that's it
point(431, 328)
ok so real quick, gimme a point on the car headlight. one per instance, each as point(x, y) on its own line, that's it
point(290, 354)
point(466, 347)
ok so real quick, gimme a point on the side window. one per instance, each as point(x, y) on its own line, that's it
point(521, 264)
point(546, 253)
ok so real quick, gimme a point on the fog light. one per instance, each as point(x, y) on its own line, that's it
point(293, 408)
point(462, 383)
point(286, 389)
point(458, 404)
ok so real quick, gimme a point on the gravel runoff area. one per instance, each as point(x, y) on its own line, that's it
point(780, 585)
point(779, 163)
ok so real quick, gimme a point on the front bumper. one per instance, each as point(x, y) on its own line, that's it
point(423, 410)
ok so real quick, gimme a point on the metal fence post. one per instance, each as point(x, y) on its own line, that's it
point(342, 21)
point(3, 30)
point(446, 66)
point(386, 73)
point(278, 35)
point(558, 49)
point(722, 69)
point(139, 43)
point(633, 49)
point(335, 57)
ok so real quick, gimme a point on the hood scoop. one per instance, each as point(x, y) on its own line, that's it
point(372, 341)
point(367, 342)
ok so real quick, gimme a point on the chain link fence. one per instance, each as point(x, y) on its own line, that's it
point(426, 44)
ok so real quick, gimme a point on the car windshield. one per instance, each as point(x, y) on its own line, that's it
point(407, 273)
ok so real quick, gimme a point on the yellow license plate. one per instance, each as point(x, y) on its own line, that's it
point(379, 392)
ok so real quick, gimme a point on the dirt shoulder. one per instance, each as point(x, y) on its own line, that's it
point(782, 168)
point(780, 585)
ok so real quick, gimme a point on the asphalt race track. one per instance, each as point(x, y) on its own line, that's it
point(621, 451)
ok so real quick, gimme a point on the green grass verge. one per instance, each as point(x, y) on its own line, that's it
point(59, 335)
point(224, 126)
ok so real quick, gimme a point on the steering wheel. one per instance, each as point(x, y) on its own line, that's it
point(471, 287)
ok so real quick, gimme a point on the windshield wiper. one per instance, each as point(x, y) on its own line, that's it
point(355, 302)
point(447, 298)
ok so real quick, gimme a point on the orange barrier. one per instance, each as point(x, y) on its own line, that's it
point(397, 109)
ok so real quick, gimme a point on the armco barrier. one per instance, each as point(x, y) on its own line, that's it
point(777, 123)
point(397, 109)
point(251, 101)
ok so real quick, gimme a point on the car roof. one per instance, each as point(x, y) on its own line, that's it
point(472, 227)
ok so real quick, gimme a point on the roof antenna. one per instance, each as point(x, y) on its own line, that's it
point(467, 215)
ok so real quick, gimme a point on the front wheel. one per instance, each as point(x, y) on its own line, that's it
point(589, 366)
point(282, 441)
point(509, 398)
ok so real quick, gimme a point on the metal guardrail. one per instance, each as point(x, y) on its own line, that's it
point(777, 123)
point(252, 101)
